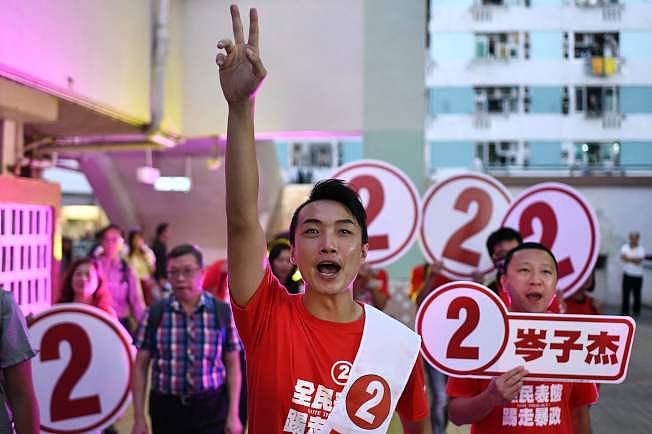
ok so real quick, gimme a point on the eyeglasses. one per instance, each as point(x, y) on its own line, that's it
point(187, 273)
point(113, 239)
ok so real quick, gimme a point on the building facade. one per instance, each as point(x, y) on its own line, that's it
point(545, 87)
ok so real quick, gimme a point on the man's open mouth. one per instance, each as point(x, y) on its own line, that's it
point(328, 268)
point(534, 296)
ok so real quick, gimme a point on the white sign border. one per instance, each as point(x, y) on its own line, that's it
point(482, 373)
point(593, 221)
point(92, 311)
point(425, 250)
point(414, 195)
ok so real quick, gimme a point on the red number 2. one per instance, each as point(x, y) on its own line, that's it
point(61, 406)
point(453, 249)
point(455, 349)
point(375, 205)
point(546, 215)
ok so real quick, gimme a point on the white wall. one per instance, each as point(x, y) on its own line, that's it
point(103, 47)
point(311, 49)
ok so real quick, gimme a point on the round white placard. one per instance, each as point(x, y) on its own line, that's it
point(392, 204)
point(82, 373)
point(559, 217)
point(459, 213)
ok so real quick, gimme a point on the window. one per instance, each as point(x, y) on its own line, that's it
point(493, 99)
point(595, 101)
point(502, 154)
point(312, 160)
point(596, 154)
point(497, 46)
point(589, 45)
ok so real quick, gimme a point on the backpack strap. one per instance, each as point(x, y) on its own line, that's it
point(124, 269)
point(155, 314)
point(154, 318)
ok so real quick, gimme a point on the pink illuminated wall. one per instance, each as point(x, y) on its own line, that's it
point(29, 241)
point(98, 50)
point(26, 234)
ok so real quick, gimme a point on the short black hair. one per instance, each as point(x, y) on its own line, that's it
point(531, 246)
point(502, 234)
point(337, 191)
point(187, 249)
point(108, 228)
point(276, 247)
point(161, 228)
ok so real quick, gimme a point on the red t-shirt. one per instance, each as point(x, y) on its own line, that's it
point(296, 363)
point(215, 280)
point(584, 307)
point(363, 294)
point(418, 277)
point(540, 407)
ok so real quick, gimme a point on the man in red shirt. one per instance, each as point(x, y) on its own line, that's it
point(371, 286)
point(304, 371)
point(509, 403)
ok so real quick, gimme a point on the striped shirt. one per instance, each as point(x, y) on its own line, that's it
point(186, 350)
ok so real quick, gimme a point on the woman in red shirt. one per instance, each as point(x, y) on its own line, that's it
point(83, 283)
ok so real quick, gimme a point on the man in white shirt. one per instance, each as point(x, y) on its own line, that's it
point(632, 255)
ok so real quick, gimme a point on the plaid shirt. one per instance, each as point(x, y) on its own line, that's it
point(187, 350)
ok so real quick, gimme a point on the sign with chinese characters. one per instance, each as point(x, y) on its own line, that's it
point(467, 332)
point(78, 345)
point(459, 213)
point(559, 217)
point(392, 204)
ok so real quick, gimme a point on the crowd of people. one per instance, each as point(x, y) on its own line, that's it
point(296, 322)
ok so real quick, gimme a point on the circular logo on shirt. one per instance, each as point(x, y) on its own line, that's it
point(368, 401)
point(340, 372)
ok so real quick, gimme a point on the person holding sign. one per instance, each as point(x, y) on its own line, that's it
point(371, 286)
point(317, 362)
point(499, 243)
point(425, 278)
point(509, 403)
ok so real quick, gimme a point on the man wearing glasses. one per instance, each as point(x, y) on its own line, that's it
point(191, 342)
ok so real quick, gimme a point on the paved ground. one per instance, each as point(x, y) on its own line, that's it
point(627, 407)
point(624, 408)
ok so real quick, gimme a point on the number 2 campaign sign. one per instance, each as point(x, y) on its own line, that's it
point(467, 332)
point(82, 373)
point(559, 217)
point(392, 204)
point(459, 213)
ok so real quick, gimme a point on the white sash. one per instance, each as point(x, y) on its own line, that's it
point(388, 349)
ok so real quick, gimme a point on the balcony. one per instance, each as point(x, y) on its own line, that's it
point(611, 9)
point(598, 66)
point(597, 159)
point(596, 127)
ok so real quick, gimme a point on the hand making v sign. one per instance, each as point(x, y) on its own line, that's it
point(241, 70)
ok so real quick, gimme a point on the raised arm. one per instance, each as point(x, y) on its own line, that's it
point(241, 72)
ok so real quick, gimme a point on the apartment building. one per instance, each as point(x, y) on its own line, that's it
point(540, 87)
